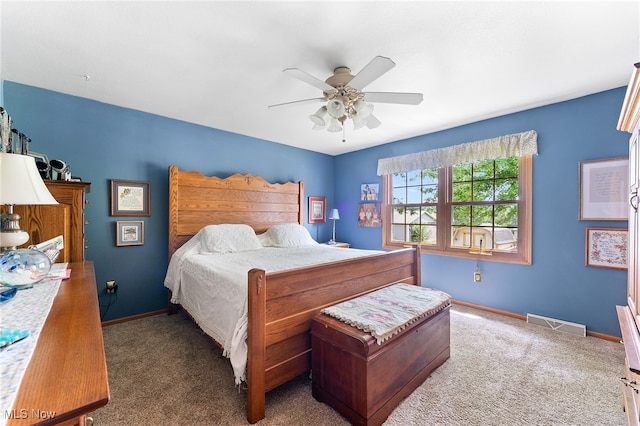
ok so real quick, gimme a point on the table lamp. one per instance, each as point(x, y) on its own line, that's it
point(335, 215)
point(20, 183)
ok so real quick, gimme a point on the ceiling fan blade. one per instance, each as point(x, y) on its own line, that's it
point(302, 101)
point(393, 97)
point(374, 69)
point(307, 78)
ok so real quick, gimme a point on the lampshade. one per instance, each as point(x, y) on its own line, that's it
point(320, 118)
point(335, 215)
point(335, 108)
point(334, 125)
point(362, 108)
point(350, 104)
point(358, 121)
point(20, 181)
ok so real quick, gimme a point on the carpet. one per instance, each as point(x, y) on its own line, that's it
point(164, 371)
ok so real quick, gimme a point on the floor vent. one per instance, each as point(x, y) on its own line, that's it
point(555, 324)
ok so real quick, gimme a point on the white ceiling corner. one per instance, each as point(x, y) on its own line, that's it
point(219, 64)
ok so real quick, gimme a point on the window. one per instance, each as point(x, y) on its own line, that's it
point(479, 208)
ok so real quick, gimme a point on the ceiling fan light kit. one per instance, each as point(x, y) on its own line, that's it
point(345, 99)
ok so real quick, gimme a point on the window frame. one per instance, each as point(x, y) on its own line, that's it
point(443, 246)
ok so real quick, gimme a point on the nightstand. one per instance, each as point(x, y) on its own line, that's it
point(339, 245)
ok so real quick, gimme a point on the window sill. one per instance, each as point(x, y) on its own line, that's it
point(514, 258)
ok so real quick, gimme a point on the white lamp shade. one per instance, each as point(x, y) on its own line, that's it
point(334, 125)
point(20, 181)
point(358, 122)
point(319, 118)
point(335, 108)
point(362, 108)
point(335, 215)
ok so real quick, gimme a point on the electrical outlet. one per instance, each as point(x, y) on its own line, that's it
point(477, 277)
point(112, 287)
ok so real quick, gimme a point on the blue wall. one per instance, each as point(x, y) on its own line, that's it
point(557, 284)
point(103, 142)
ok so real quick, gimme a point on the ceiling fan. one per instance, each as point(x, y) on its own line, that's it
point(344, 98)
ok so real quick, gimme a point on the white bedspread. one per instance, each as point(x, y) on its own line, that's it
point(213, 287)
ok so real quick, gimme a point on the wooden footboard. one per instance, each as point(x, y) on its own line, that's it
point(282, 304)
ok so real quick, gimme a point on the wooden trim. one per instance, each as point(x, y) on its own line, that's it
point(630, 337)
point(603, 336)
point(630, 113)
point(133, 317)
point(488, 309)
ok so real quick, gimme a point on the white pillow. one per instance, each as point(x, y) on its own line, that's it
point(228, 238)
point(290, 235)
point(265, 240)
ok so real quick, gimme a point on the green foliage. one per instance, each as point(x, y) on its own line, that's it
point(484, 193)
point(486, 182)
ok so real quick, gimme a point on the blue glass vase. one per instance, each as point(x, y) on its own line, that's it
point(23, 268)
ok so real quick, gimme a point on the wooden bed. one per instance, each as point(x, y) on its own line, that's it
point(280, 304)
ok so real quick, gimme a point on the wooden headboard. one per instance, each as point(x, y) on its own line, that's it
point(196, 200)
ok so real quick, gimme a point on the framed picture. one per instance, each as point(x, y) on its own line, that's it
point(369, 192)
point(130, 198)
point(604, 185)
point(607, 247)
point(370, 215)
point(317, 210)
point(129, 233)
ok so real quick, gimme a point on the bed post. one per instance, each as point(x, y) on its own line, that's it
point(418, 265)
point(301, 203)
point(256, 345)
point(173, 225)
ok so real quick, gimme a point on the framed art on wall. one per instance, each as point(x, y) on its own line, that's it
point(370, 215)
point(317, 210)
point(130, 198)
point(369, 192)
point(129, 233)
point(603, 189)
point(607, 248)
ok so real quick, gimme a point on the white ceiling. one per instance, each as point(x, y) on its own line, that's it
point(219, 64)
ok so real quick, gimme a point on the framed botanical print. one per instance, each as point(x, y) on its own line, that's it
point(130, 198)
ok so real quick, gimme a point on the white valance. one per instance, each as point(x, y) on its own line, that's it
point(516, 145)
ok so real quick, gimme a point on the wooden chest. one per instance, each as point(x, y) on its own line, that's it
point(365, 381)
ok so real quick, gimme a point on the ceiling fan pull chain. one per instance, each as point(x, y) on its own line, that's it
point(344, 133)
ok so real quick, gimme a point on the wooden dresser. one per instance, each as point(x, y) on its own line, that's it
point(67, 374)
point(67, 218)
point(629, 315)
